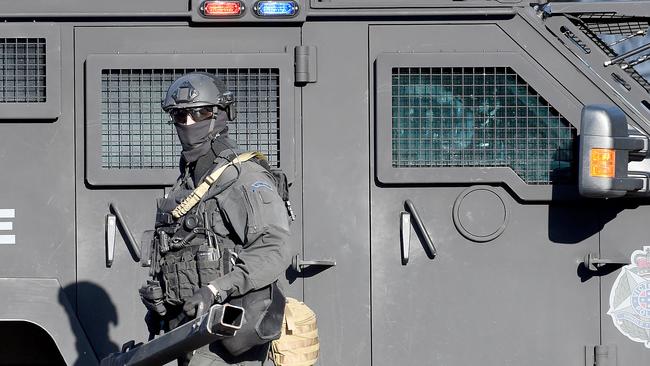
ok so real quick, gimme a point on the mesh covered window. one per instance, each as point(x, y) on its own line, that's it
point(22, 70)
point(136, 133)
point(617, 34)
point(478, 117)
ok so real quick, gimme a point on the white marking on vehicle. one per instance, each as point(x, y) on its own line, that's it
point(7, 213)
point(7, 239)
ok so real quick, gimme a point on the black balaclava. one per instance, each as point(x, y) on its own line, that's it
point(197, 138)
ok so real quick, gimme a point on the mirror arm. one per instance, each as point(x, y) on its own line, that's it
point(639, 150)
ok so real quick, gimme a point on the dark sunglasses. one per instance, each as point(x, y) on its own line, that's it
point(198, 114)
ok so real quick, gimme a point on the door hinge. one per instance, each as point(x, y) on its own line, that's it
point(601, 355)
point(306, 67)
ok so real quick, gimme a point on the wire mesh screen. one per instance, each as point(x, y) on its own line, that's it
point(611, 23)
point(22, 70)
point(478, 117)
point(136, 133)
point(615, 35)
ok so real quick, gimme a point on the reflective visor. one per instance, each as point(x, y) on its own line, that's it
point(198, 114)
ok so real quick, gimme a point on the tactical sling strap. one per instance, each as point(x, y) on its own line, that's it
point(298, 344)
point(200, 191)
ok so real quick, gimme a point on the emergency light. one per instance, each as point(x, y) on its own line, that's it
point(226, 8)
point(265, 8)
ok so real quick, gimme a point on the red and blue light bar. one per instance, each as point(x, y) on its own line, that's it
point(276, 8)
point(222, 8)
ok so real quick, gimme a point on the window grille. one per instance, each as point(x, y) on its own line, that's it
point(22, 70)
point(136, 133)
point(606, 28)
point(611, 23)
point(478, 117)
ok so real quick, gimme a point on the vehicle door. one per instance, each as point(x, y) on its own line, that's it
point(475, 125)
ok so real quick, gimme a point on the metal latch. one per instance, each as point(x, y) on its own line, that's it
point(601, 355)
point(112, 219)
point(111, 227)
point(405, 232)
point(306, 65)
point(593, 263)
point(299, 265)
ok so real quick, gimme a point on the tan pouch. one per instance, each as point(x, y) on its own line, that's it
point(298, 343)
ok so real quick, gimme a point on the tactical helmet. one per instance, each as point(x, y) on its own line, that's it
point(199, 89)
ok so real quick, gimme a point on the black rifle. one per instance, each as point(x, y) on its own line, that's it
point(221, 321)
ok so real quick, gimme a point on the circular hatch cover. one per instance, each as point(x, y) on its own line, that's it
point(480, 214)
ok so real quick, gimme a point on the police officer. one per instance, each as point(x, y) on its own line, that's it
point(229, 245)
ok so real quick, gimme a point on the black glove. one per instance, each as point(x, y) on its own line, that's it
point(152, 297)
point(199, 303)
point(153, 321)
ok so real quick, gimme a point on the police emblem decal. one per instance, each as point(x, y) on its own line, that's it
point(629, 300)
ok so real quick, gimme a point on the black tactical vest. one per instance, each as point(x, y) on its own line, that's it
point(199, 247)
point(192, 253)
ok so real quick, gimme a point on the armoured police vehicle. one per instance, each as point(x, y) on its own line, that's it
point(468, 177)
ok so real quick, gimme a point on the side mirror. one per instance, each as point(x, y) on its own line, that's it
point(607, 145)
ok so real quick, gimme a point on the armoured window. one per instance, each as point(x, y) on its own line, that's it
point(30, 71)
point(136, 133)
point(22, 70)
point(617, 34)
point(477, 117)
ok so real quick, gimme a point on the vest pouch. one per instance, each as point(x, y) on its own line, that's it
point(263, 319)
point(208, 266)
point(170, 284)
point(188, 278)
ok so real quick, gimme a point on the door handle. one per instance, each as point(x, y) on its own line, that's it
point(130, 241)
point(419, 226)
point(405, 231)
point(111, 227)
point(298, 264)
point(593, 263)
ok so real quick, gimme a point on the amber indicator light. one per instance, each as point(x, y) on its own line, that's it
point(222, 8)
point(602, 163)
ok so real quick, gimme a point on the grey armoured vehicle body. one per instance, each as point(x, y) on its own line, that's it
point(471, 110)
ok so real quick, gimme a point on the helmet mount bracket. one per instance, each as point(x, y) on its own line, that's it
point(185, 93)
point(231, 111)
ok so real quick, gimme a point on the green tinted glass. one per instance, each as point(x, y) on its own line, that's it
point(478, 117)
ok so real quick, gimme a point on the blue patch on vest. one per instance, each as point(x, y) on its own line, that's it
point(260, 184)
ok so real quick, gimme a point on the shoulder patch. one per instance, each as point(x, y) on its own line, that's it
point(259, 185)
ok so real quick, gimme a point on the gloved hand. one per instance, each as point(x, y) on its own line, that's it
point(199, 303)
point(153, 321)
point(152, 297)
